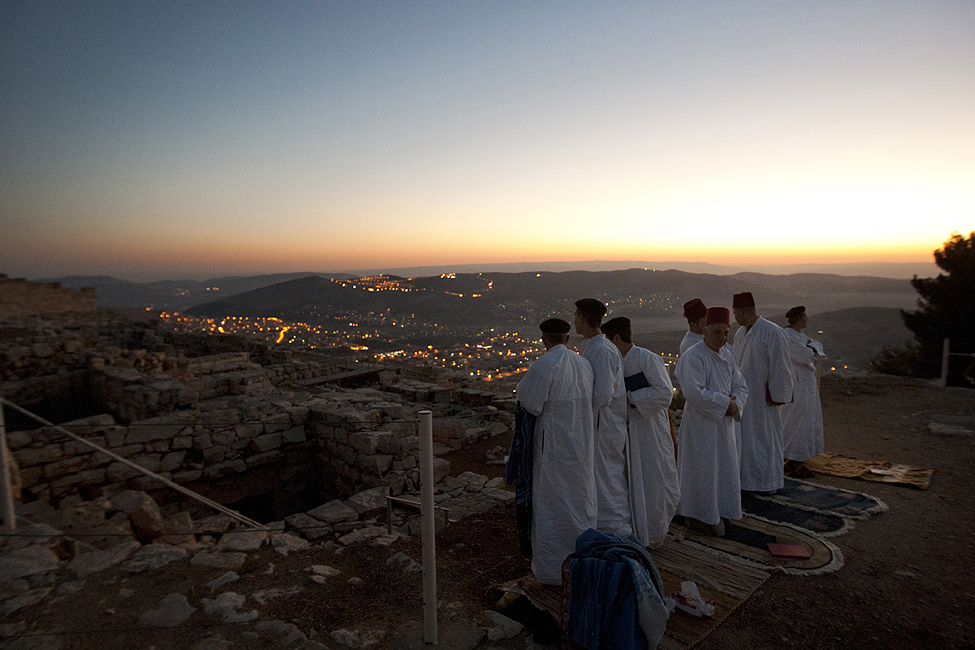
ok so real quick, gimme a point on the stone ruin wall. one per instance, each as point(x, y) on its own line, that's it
point(232, 448)
point(220, 424)
point(20, 298)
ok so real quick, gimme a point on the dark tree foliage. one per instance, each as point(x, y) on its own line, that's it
point(947, 306)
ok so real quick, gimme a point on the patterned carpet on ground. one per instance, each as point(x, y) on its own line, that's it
point(881, 471)
point(728, 570)
point(728, 584)
point(821, 509)
point(746, 542)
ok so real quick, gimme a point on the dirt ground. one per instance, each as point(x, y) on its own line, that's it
point(908, 579)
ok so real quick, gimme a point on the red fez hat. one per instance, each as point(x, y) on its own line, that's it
point(718, 316)
point(695, 309)
point(742, 300)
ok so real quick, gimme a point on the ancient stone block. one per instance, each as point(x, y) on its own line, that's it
point(266, 442)
point(242, 540)
point(120, 472)
point(143, 482)
point(214, 454)
point(406, 463)
point(142, 510)
point(150, 462)
point(263, 459)
point(298, 414)
point(294, 435)
point(277, 422)
point(171, 461)
point(182, 442)
point(88, 563)
point(128, 451)
point(395, 482)
point(153, 556)
point(160, 428)
point(67, 466)
point(249, 429)
point(308, 527)
point(203, 441)
point(334, 512)
point(441, 469)
point(158, 446)
point(74, 448)
point(375, 464)
point(449, 428)
point(224, 437)
point(368, 501)
point(28, 456)
point(187, 476)
point(177, 530)
point(218, 470)
point(475, 482)
point(367, 442)
point(115, 437)
point(87, 477)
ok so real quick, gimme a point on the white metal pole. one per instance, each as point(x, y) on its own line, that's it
point(428, 515)
point(9, 518)
point(944, 362)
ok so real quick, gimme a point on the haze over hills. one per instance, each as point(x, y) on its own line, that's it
point(652, 299)
point(172, 294)
point(183, 293)
point(857, 314)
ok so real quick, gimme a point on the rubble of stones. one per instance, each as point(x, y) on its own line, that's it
point(40, 564)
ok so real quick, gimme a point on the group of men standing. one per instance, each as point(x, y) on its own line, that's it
point(748, 408)
point(602, 447)
point(602, 441)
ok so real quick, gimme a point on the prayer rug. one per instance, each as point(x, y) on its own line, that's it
point(747, 539)
point(881, 471)
point(727, 583)
point(819, 508)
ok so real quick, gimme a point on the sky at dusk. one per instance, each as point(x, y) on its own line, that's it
point(191, 139)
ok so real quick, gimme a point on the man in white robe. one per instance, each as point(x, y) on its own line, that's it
point(609, 410)
point(696, 314)
point(762, 356)
point(558, 390)
point(802, 419)
point(652, 468)
point(707, 456)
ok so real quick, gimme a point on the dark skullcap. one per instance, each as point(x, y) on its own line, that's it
point(741, 300)
point(591, 306)
point(695, 309)
point(795, 312)
point(554, 326)
point(718, 316)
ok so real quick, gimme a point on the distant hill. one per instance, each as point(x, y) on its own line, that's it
point(854, 336)
point(485, 299)
point(174, 295)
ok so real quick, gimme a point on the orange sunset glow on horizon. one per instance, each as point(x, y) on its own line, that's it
point(198, 142)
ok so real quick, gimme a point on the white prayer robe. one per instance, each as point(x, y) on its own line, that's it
point(609, 409)
point(690, 339)
point(707, 456)
point(654, 487)
point(763, 359)
point(802, 420)
point(558, 390)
